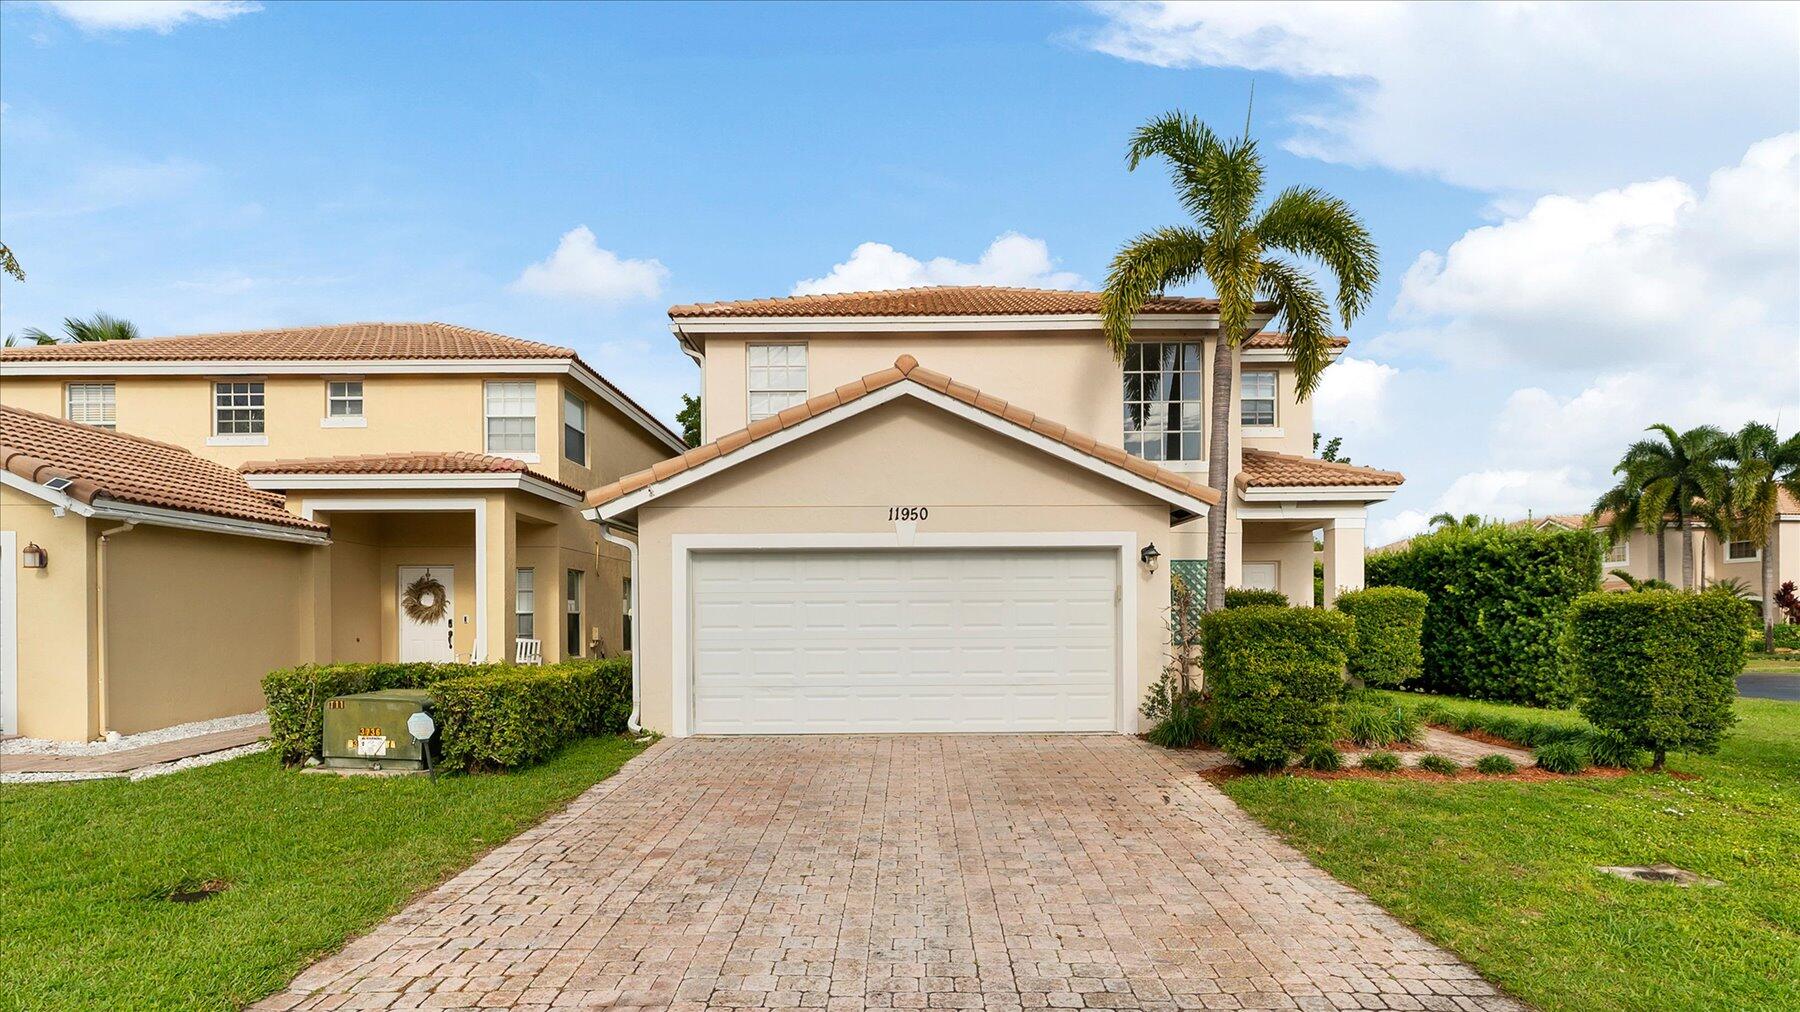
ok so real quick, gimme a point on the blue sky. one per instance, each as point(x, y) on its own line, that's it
point(1568, 200)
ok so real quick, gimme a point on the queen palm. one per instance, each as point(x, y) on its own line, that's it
point(1747, 493)
point(75, 331)
point(1669, 475)
point(1232, 245)
point(1619, 511)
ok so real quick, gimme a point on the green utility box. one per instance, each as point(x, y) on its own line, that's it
point(368, 731)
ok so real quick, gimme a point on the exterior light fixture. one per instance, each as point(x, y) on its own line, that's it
point(1149, 556)
point(33, 557)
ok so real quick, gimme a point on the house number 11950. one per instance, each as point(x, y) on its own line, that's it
point(908, 512)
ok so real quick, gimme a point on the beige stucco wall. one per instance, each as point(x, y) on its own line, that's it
point(1709, 558)
point(55, 621)
point(844, 478)
point(1288, 545)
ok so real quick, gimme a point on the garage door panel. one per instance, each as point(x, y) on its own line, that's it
point(1015, 640)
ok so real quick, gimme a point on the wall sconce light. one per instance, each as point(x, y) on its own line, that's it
point(1149, 556)
point(33, 557)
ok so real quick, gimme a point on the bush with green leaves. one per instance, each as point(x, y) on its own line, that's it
point(1322, 758)
point(1368, 724)
point(489, 716)
point(1569, 756)
point(1787, 637)
point(1498, 603)
point(1495, 764)
point(1380, 762)
point(1239, 597)
point(1275, 675)
point(1610, 748)
point(1434, 763)
point(1390, 622)
point(1658, 668)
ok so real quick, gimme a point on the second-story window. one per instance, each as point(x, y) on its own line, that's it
point(238, 408)
point(574, 428)
point(1258, 399)
point(344, 399)
point(94, 404)
point(1164, 412)
point(777, 378)
point(511, 416)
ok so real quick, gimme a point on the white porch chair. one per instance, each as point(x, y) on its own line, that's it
point(528, 651)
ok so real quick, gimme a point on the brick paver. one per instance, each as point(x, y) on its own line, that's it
point(934, 872)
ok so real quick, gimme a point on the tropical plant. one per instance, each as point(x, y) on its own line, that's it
point(75, 331)
point(1468, 521)
point(1495, 764)
point(1643, 583)
point(1434, 763)
point(1668, 475)
point(1380, 762)
point(1229, 243)
point(1745, 498)
point(1788, 600)
point(10, 263)
point(1619, 512)
point(1333, 449)
point(689, 417)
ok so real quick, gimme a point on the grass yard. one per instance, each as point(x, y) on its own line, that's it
point(310, 860)
point(1773, 664)
point(1503, 873)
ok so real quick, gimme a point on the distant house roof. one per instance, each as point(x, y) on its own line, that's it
point(1277, 339)
point(420, 462)
point(103, 467)
point(1267, 469)
point(941, 300)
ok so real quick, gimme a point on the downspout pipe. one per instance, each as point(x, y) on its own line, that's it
point(100, 690)
point(633, 723)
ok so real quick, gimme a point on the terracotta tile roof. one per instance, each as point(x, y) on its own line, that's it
point(943, 300)
point(103, 465)
point(1266, 469)
point(335, 341)
point(905, 369)
point(1278, 339)
point(415, 462)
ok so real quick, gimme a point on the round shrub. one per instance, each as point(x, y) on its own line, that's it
point(1494, 764)
point(1389, 624)
point(1275, 676)
point(1435, 763)
point(1380, 762)
point(1239, 597)
point(1323, 758)
point(1659, 668)
point(1561, 757)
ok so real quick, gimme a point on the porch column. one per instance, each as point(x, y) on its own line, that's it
point(498, 548)
point(1343, 556)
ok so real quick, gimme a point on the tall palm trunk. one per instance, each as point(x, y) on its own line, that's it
point(1768, 588)
point(1687, 551)
point(1662, 552)
point(1218, 471)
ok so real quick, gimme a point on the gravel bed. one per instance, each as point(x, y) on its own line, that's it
point(46, 746)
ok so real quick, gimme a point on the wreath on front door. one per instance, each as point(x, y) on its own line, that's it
point(425, 601)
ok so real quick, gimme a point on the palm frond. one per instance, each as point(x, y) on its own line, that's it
point(1143, 269)
point(1185, 144)
point(1232, 178)
point(1309, 222)
point(1301, 311)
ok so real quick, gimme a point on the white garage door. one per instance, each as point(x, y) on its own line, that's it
point(857, 641)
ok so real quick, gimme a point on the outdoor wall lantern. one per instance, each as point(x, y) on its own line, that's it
point(33, 557)
point(1149, 556)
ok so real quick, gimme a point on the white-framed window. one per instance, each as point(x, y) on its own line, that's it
point(93, 404)
point(1164, 407)
point(574, 428)
point(511, 416)
point(1620, 553)
point(1257, 400)
point(1262, 576)
point(1742, 551)
point(525, 603)
point(343, 399)
point(777, 378)
point(238, 408)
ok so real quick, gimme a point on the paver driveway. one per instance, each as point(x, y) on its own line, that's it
point(974, 872)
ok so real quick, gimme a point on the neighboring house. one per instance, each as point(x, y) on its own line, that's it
point(951, 509)
point(434, 453)
point(140, 585)
point(1714, 561)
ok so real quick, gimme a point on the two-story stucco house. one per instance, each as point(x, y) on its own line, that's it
point(1715, 560)
point(951, 509)
point(441, 460)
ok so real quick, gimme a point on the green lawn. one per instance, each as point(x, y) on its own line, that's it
point(311, 860)
point(1503, 872)
point(1772, 664)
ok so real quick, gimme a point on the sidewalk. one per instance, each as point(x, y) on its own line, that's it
point(136, 758)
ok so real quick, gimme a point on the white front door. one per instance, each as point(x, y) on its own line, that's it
point(894, 641)
point(420, 589)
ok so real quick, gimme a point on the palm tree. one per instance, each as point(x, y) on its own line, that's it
point(101, 328)
point(1620, 507)
point(1668, 476)
point(1747, 493)
point(10, 263)
point(1219, 183)
point(1467, 522)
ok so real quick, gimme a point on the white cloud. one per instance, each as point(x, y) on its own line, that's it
point(1352, 397)
point(1012, 259)
point(580, 269)
point(1496, 96)
point(161, 16)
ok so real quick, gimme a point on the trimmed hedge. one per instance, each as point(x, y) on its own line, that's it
point(489, 716)
point(1239, 597)
point(1275, 675)
point(1658, 668)
point(1390, 623)
point(1499, 598)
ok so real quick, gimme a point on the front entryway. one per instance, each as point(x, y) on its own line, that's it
point(425, 612)
point(792, 641)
